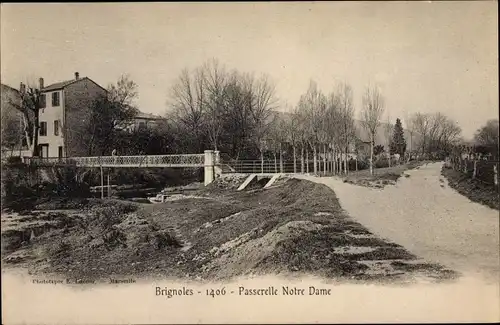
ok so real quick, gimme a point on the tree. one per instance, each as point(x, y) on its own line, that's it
point(313, 105)
point(110, 115)
point(334, 120)
point(12, 130)
point(301, 130)
point(263, 101)
point(438, 133)
point(373, 108)
point(227, 110)
point(398, 144)
point(213, 78)
point(421, 125)
point(277, 136)
point(29, 103)
point(188, 103)
point(487, 136)
point(345, 103)
point(378, 149)
point(293, 135)
point(388, 130)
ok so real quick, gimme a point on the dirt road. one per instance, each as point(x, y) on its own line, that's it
point(423, 214)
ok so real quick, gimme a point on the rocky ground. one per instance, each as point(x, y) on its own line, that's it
point(295, 227)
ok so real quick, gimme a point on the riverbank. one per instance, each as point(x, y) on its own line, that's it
point(295, 228)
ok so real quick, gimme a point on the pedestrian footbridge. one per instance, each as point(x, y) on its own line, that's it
point(209, 160)
point(185, 160)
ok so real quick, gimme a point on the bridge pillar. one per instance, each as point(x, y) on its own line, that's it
point(209, 166)
point(217, 168)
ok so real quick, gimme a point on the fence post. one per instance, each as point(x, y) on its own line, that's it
point(102, 183)
point(475, 170)
point(109, 186)
point(465, 166)
point(495, 174)
point(294, 160)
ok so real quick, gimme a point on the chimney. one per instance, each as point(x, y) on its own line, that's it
point(22, 88)
point(77, 75)
point(41, 83)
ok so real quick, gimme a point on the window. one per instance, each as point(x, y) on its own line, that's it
point(43, 128)
point(55, 99)
point(42, 101)
point(56, 127)
point(43, 150)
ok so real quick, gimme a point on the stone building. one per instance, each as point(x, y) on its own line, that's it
point(64, 114)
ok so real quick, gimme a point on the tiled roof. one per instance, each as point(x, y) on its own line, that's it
point(62, 84)
point(59, 85)
point(8, 88)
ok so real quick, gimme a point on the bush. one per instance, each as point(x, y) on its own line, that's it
point(381, 163)
point(150, 177)
point(362, 164)
point(14, 161)
point(114, 238)
point(111, 213)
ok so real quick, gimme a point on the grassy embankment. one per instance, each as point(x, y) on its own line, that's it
point(473, 189)
point(381, 176)
point(293, 228)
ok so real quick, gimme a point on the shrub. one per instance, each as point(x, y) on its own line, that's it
point(164, 239)
point(362, 164)
point(61, 249)
point(14, 161)
point(114, 238)
point(381, 163)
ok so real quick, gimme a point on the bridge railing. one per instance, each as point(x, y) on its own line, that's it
point(185, 160)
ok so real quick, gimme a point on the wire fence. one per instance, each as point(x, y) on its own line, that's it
point(484, 170)
point(288, 166)
point(328, 167)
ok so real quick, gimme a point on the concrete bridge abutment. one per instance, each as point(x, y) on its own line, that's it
point(212, 169)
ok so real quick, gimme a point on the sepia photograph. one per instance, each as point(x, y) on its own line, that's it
point(250, 162)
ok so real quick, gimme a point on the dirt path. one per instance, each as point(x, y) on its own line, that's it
point(423, 214)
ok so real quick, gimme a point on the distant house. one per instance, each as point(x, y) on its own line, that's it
point(144, 121)
point(64, 116)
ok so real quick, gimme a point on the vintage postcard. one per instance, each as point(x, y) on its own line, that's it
point(253, 162)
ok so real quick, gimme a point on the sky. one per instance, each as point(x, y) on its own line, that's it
point(424, 56)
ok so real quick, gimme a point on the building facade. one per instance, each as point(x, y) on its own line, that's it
point(65, 109)
point(144, 121)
